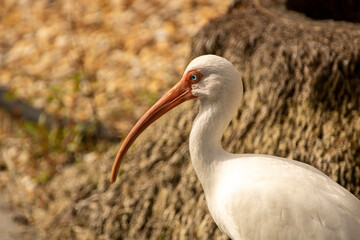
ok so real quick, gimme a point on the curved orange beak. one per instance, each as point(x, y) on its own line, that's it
point(180, 93)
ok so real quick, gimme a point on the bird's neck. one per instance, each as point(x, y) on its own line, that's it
point(205, 139)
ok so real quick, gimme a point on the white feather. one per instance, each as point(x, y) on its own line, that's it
point(258, 196)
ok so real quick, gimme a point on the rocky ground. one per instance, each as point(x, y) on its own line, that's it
point(100, 61)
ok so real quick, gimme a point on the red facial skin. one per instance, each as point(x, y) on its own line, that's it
point(180, 93)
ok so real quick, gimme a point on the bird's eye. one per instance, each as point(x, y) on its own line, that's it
point(194, 77)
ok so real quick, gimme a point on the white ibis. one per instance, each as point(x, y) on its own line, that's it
point(250, 196)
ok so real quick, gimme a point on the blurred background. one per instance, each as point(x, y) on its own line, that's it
point(76, 75)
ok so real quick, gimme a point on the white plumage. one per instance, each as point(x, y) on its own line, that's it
point(251, 196)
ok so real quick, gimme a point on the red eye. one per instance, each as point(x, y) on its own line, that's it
point(194, 76)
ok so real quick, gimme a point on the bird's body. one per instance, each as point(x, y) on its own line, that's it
point(264, 197)
point(251, 196)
